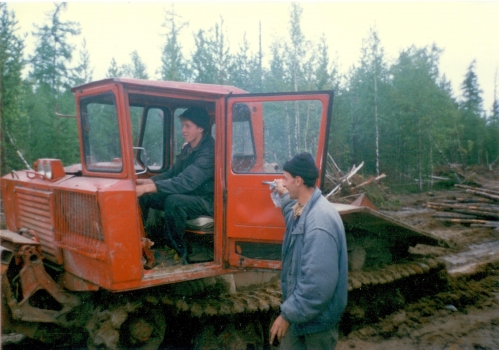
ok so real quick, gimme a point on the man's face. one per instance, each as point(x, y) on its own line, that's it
point(191, 132)
point(291, 183)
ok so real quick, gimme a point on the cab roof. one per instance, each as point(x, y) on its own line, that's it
point(206, 89)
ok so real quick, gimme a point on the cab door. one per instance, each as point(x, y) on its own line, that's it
point(263, 132)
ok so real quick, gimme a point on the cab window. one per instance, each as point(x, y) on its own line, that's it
point(153, 140)
point(266, 134)
point(101, 135)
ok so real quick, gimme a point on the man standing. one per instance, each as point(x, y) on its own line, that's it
point(185, 191)
point(314, 276)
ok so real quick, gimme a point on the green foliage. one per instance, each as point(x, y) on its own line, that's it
point(212, 60)
point(83, 72)
point(53, 52)
point(114, 71)
point(399, 117)
point(274, 77)
point(471, 118)
point(12, 115)
point(174, 66)
point(136, 69)
point(203, 61)
point(368, 89)
point(246, 69)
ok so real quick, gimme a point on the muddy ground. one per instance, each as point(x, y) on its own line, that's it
point(466, 316)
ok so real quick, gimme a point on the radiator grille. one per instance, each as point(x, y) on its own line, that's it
point(35, 214)
point(78, 223)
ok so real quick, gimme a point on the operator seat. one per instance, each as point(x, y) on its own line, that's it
point(200, 225)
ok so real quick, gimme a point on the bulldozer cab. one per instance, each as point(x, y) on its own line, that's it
point(254, 135)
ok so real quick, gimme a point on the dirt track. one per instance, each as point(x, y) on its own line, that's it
point(464, 317)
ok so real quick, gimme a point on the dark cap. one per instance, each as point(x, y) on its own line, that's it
point(302, 165)
point(198, 116)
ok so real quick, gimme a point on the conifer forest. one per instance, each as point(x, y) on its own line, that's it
point(399, 116)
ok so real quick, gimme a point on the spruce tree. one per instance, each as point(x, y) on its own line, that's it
point(471, 117)
point(83, 72)
point(492, 135)
point(136, 69)
point(114, 71)
point(53, 53)
point(53, 136)
point(173, 64)
point(245, 71)
point(12, 114)
point(203, 65)
point(276, 74)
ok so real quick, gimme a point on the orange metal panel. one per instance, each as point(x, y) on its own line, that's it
point(250, 212)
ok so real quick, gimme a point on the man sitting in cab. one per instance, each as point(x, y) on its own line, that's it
point(185, 191)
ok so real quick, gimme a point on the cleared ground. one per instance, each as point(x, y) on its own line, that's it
point(466, 315)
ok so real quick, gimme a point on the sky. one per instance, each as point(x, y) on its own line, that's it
point(466, 31)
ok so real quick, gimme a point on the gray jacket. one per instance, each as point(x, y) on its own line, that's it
point(314, 273)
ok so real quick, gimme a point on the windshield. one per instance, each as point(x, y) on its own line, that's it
point(100, 133)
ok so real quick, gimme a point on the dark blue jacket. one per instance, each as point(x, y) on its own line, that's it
point(314, 273)
point(193, 172)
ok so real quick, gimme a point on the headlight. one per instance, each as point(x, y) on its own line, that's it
point(47, 168)
point(41, 167)
point(50, 169)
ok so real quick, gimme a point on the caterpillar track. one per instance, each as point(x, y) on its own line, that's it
point(260, 303)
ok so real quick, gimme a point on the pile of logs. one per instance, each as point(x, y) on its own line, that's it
point(481, 210)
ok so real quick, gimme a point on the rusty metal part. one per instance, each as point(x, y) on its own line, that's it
point(33, 278)
point(6, 256)
point(148, 253)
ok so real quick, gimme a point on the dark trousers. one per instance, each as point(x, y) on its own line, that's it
point(177, 208)
point(326, 340)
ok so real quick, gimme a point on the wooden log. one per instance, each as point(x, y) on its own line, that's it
point(484, 194)
point(336, 169)
point(486, 208)
point(453, 215)
point(464, 221)
point(489, 224)
point(354, 170)
point(479, 189)
point(479, 213)
point(370, 181)
point(474, 200)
